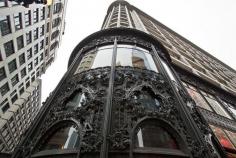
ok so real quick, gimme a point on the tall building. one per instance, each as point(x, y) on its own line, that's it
point(29, 38)
point(137, 89)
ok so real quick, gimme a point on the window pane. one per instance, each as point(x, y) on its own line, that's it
point(100, 55)
point(198, 99)
point(223, 139)
point(20, 42)
point(217, 107)
point(12, 66)
point(9, 48)
point(135, 57)
point(27, 18)
point(18, 21)
point(232, 136)
point(4, 89)
point(2, 73)
point(169, 71)
point(5, 25)
point(64, 138)
point(151, 135)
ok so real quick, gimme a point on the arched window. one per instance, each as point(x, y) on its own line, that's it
point(55, 34)
point(76, 100)
point(64, 137)
point(147, 98)
point(56, 22)
point(155, 138)
point(152, 135)
point(53, 45)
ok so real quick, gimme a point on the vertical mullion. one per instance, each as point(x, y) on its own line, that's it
point(108, 105)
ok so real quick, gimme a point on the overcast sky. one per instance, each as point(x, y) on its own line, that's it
point(210, 24)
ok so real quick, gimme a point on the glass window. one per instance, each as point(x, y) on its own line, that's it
point(55, 34)
point(30, 66)
point(9, 48)
point(3, 3)
point(4, 89)
point(14, 98)
point(49, 11)
point(22, 58)
point(5, 108)
point(223, 139)
point(41, 30)
point(12, 66)
point(56, 22)
point(57, 8)
point(41, 44)
point(23, 72)
point(18, 21)
point(216, 105)
point(232, 136)
point(28, 18)
point(230, 107)
point(20, 42)
point(42, 17)
point(36, 33)
point(36, 48)
point(76, 100)
point(2, 73)
point(169, 71)
point(154, 136)
point(29, 37)
point(197, 97)
point(63, 138)
point(147, 99)
point(29, 53)
point(53, 45)
point(14, 80)
point(36, 61)
point(135, 57)
point(36, 15)
point(5, 25)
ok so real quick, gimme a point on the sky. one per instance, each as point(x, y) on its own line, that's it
point(210, 24)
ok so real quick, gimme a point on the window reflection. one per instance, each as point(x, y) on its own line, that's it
point(135, 57)
point(168, 70)
point(63, 138)
point(151, 135)
point(147, 99)
point(223, 139)
point(232, 136)
point(76, 101)
point(96, 58)
point(197, 97)
point(230, 107)
point(215, 105)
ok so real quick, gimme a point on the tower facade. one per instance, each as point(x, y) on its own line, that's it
point(29, 38)
point(137, 89)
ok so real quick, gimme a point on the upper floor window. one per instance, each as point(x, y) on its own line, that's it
point(231, 107)
point(197, 97)
point(12, 66)
point(20, 42)
point(3, 3)
point(134, 56)
point(18, 21)
point(53, 46)
point(36, 15)
point(22, 59)
point(215, 105)
point(4, 89)
point(9, 48)
point(56, 22)
point(5, 25)
point(2, 73)
point(42, 16)
point(28, 18)
point(57, 8)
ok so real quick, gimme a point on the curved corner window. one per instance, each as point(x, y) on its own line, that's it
point(76, 100)
point(168, 70)
point(100, 57)
point(147, 99)
point(63, 138)
point(134, 56)
point(154, 136)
